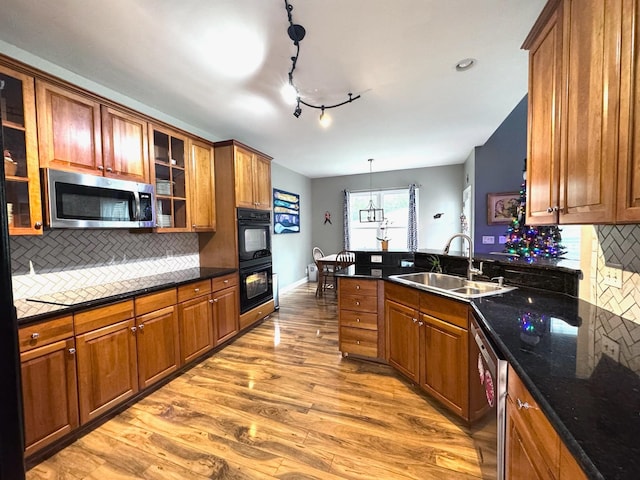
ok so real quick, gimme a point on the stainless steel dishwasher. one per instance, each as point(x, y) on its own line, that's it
point(488, 396)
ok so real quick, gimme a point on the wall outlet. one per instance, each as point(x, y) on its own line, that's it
point(613, 275)
point(488, 239)
point(611, 348)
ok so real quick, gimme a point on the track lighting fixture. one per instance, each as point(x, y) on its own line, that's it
point(296, 33)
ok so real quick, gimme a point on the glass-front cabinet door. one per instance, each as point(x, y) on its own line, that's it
point(22, 178)
point(169, 159)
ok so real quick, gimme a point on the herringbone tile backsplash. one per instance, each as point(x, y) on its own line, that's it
point(62, 260)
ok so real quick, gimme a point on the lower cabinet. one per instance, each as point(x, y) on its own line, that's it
point(194, 318)
point(358, 317)
point(533, 448)
point(106, 356)
point(427, 341)
point(226, 306)
point(157, 336)
point(49, 382)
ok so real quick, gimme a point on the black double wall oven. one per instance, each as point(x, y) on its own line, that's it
point(254, 252)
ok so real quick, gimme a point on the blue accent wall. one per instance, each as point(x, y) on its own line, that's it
point(498, 168)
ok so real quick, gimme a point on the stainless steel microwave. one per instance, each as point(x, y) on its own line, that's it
point(78, 200)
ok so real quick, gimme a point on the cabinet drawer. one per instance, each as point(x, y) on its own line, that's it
point(358, 286)
point(535, 423)
point(445, 309)
point(221, 283)
point(193, 290)
point(359, 341)
point(33, 336)
point(359, 303)
point(102, 316)
point(155, 301)
point(350, 318)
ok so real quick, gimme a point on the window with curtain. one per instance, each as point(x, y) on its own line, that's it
point(362, 236)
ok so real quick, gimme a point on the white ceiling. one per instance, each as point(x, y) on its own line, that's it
point(218, 65)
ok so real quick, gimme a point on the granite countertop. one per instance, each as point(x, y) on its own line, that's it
point(60, 303)
point(556, 343)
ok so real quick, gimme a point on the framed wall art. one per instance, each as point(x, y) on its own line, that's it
point(286, 212)
point(502, 207)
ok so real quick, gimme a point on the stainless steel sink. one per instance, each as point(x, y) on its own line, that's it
point(450, 284)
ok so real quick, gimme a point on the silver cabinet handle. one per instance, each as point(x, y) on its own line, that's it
point(72, 351)
point(35, 335)
point(523, 405)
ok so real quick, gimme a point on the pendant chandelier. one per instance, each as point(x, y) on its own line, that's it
point(371, 214)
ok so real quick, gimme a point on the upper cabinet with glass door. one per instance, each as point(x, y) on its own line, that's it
point(22, 178)
point(169, 152)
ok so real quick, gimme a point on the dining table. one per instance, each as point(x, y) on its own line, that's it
point(327, 266)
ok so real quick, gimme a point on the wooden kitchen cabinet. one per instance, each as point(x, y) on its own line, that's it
point(252, 178)
point(170, 176)
point(157, 336)
point(427, 341)
point(358, 317)
point(226, 308)
point(195, 320)
point(533, 447)
point(125, 145)
point(202, 192)
point(22, 182)
point(49, 382)
point(445, 352)
point(574, 94)
point(106, 358)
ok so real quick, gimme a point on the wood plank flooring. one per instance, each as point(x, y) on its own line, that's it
point(278, 403)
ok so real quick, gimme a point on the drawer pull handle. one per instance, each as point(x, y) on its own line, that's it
point(523, 405)
point(35, 335)
point(72, 351)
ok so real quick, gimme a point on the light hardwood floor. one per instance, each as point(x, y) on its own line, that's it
point(278, 403)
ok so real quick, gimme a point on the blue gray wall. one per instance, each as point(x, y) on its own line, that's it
point(498, 168)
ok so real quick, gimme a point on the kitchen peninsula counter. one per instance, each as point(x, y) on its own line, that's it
point(556, 343)
point(46, 306)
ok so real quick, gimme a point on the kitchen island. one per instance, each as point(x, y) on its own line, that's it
point(587, 386)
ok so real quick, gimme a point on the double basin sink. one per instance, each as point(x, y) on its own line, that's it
point(451, 284)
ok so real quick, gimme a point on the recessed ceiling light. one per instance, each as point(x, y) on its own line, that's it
point(465, 64)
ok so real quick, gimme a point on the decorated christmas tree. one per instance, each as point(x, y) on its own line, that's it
point(531, 242)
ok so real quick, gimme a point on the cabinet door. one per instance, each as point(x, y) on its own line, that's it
point(402, 338)
point(243, 166)
point(543, 158)
point(125, 145)
point(158, 345)
point(22, 182)
point(262, 183)
point(589, 125)
point(49, 393)
point(196, 327)
point(170, 157)
point(225, 314)
point(203, 198)
point(519, 461)
point(445, 358)
point(628, 201)
point(107, 368)
point(69, 132)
